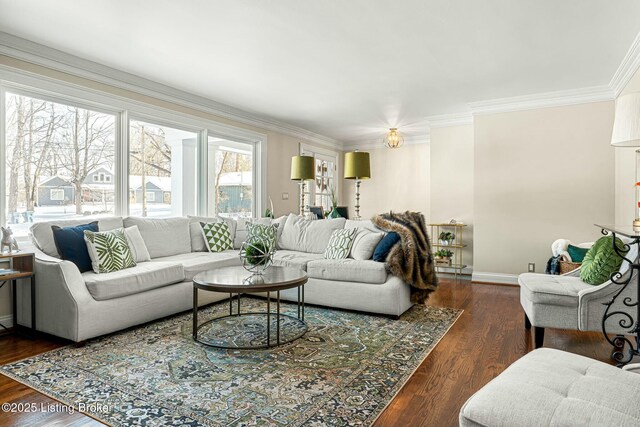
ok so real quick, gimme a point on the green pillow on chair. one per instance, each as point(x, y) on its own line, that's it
point(601, 261)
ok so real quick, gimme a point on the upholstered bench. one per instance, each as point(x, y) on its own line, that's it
point(554, 388)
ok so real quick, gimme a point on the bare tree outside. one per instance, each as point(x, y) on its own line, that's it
point(87, 143)
point(51, 142)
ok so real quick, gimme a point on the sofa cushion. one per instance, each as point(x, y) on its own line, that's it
point(137, 245)
point(303, 235)
point(340, 243)
point(197, 262)
point(549, 289)
point(163, 236)
point(285, 258)
point(549, 387)
point(42, 235)
point(364, 243)
point(143, 277)
point(348, 270)
point(383, 248)
point(109, 250)
point(365, 224)
point(217, 236)
point(70, 244)
point(198, 243)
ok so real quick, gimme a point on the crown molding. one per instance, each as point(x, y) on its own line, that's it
point(628, 67)
point(453, 119)
point(543, 100)
point(28, 51)
point(373, 144)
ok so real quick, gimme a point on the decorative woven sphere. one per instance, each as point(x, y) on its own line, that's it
point(256, 254)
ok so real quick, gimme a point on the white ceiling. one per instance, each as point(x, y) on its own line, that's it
point(343, 69)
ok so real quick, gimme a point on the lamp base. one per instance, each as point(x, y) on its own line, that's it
point(636, 224)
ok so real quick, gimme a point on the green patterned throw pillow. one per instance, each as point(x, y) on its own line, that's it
point(601, 261)
point(269, 233)
point(217, 236)
point(340, 243)
point(109, 250)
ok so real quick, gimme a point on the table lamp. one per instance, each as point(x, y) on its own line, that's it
point(626, 133)
point(357, 166)
point(302, 169)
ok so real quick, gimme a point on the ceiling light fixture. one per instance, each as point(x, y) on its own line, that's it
point(393, 139)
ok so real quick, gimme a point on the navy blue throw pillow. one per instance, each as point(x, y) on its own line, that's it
point(71, 246)
point(385, 245)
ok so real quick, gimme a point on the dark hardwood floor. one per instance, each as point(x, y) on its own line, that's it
point(487, 338)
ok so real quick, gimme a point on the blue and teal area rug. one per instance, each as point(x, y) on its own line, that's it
point(343, 372)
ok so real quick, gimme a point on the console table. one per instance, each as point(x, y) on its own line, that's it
point(22, 262)
point(625, 318)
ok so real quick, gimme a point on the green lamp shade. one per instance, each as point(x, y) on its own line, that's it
point(302, 168)
point(356, 165)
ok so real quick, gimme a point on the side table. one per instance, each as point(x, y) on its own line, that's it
point(22, 263)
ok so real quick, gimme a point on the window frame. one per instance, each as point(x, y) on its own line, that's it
point(127, 109)
point(323, 154)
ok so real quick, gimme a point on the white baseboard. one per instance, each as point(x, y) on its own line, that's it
point(447, 270)
point(7, 321)
point(506, 279)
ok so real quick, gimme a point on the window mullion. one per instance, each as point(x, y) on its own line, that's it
point(122, 164)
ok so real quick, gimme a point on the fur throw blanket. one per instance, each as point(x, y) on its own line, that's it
point(411, 258)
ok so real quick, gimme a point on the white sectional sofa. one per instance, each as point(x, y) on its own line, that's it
point(79, 306)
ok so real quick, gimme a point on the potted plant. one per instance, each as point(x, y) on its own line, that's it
point(443, 257)
point(446, 238)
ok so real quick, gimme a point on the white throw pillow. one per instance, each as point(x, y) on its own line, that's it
point(137, 245)
point(364, 243)
point(198, 243)
point(340, 243)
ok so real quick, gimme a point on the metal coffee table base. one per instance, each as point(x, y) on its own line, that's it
point(278, 340)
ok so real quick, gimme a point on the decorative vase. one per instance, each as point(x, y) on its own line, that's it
point(334, 213)
point(256, 254)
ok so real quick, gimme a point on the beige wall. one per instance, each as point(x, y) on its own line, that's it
point(540, 175)
point(451, 180)
point(399, 182)
point(280, 147)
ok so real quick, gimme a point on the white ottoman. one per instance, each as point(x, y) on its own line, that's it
point(554, 388)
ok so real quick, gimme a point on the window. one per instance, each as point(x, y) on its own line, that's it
point(56, 136)
point(56, 194)
point(230, 178)
point(53, 144)
point(322, 191)
point(163, 159)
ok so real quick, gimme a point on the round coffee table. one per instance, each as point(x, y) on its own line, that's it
point(236, 280)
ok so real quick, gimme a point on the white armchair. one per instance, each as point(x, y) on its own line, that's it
point(566, 302)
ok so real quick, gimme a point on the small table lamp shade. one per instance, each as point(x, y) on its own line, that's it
point(302, 167)
point(357, 165)
point(626, 125)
